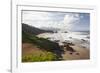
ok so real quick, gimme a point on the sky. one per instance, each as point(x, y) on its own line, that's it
point(63, 20)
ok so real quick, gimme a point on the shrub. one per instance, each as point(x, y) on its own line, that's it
point(39, 56)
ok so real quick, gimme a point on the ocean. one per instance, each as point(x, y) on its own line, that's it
point(82, 38)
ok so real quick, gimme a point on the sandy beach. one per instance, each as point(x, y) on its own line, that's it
point(81, 45)
point(79, 54)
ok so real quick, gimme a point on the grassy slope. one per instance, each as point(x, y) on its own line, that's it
point(40, 42)
point(48, 47)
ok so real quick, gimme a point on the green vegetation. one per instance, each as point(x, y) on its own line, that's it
point(39, 56)
point(47, 52)
point(40, 42)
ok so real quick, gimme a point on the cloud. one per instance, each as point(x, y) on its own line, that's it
point(70, 19)
point(64, 21)
point(33, 15)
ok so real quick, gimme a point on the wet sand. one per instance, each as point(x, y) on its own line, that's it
point(79, 54)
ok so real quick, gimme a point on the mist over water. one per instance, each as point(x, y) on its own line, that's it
point(81, 38)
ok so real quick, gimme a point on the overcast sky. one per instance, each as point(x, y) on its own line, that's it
point(64, 21)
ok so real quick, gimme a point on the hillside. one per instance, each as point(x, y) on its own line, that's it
point(44, 45)
point(32, 30)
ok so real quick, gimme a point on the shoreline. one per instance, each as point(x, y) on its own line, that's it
point(80, 45)
point(79, 54)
